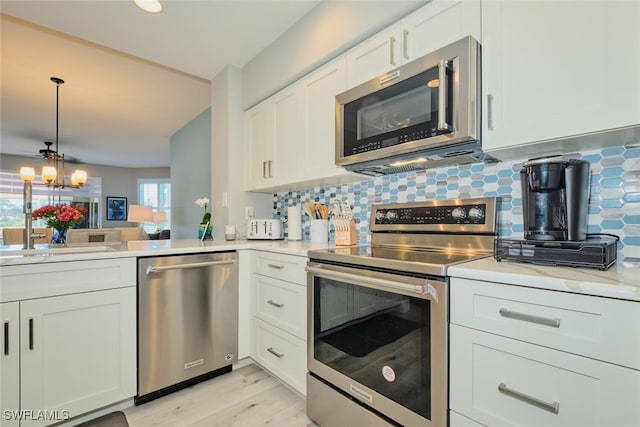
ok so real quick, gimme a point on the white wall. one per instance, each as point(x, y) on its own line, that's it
point(227, 157)
point(191, 170)
point(328, 30)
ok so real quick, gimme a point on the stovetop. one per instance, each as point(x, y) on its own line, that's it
point(413, 260)
point(422, 237)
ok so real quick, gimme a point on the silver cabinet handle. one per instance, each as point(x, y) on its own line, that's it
point(277, 266)
point(553, 407)
point(270, 174)
point(264, 169)
point(443, 96)
point(392, 51)
point(275, 304)
point(490, 112)
point(275, 353)
point(6, 338)
point(505, 312)
point(153, 269)
point(405, 48)
point(31, 333)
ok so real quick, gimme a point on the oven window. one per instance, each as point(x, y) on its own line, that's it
point(379, 339)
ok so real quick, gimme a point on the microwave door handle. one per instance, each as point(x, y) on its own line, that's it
point(443, 97)
point(426, 289)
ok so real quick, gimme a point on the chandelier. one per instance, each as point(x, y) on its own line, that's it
point(53, 173)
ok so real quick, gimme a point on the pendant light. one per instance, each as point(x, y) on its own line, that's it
point(53, 173)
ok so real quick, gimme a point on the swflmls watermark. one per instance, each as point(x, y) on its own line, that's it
point(36, 415)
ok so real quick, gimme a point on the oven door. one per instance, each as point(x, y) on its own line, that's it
point(382, 339)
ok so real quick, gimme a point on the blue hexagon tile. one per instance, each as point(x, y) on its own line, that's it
point(614, 202)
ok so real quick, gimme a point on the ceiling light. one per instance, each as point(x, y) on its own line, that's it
point(55, 161)
point(151, 6)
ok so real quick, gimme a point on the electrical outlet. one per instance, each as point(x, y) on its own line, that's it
point(248, 212)
point(225, 199)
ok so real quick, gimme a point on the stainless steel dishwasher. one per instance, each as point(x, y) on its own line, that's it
point(187, 320)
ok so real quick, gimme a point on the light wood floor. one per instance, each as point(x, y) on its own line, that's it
point(246, 397)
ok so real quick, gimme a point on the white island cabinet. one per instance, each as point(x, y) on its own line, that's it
point(71, 345)
point(556, 70)
point(535, 357)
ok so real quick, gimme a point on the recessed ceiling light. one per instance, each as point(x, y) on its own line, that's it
point(151, 6)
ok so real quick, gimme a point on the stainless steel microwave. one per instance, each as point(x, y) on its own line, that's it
point(423, 114)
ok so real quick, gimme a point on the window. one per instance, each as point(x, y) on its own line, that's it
point(11, 188)
point(157, 194)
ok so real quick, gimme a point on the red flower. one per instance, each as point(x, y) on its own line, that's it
point(60, 217)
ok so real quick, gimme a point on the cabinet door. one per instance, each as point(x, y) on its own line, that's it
point(260, 150)
point(375, 56)
point(284, 166)
point(557, 69)
point(438, 24)
point(78, 352)
point(319, 129)
point(9, 363)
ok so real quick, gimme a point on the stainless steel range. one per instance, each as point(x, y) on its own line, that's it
point(378, 315)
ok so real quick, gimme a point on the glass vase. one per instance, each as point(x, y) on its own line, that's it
point(59, 236)
point(204, 232)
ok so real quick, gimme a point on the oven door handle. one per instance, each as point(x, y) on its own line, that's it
point(426, 289)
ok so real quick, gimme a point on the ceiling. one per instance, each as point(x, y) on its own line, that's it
point(132, 79)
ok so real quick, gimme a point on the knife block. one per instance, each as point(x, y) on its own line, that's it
point(346, 237)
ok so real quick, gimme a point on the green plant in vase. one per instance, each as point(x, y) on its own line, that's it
point(205, 227)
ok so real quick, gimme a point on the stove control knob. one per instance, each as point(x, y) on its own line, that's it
point(458, 213)
point(392, 215)
point(476, 213)
point(379, 216)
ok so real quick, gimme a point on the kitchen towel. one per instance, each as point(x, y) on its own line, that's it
point(294, 221)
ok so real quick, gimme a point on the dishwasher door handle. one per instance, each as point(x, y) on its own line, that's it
point(154, 269)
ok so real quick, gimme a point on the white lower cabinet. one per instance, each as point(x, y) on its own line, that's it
point(530, 357)
point(67, 354)
point(77, 351)
point(283, 354)
point(279, 307)
point(10, 363)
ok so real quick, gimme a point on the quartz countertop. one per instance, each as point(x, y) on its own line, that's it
point(621, 281)
point(13, 255)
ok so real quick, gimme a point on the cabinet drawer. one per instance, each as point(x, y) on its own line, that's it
point(282, 304)
point(284, 267)
point(283, 354)
point(498, 381)
point(21, 282)
point(600, 328)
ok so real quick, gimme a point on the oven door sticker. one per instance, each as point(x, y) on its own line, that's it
point(388, 373)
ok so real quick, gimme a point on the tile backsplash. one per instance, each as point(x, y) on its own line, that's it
point(614, 202)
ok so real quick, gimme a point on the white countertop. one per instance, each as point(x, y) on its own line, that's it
point(13, 255)
point(620, 281)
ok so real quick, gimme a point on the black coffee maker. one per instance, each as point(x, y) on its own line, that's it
point(555, 198)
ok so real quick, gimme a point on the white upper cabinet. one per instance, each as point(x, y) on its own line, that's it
point(553, 70)
point(259, 137)
point(319, 91)
point(431, 27)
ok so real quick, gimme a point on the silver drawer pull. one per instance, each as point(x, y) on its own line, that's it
point(275, 353)
point(275, 304)
point(278, 266)
point(555, 322)
point(551, 407)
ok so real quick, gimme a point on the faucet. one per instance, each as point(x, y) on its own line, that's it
point(27, 174)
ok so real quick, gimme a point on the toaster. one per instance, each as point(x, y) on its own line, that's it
point(265, 229)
